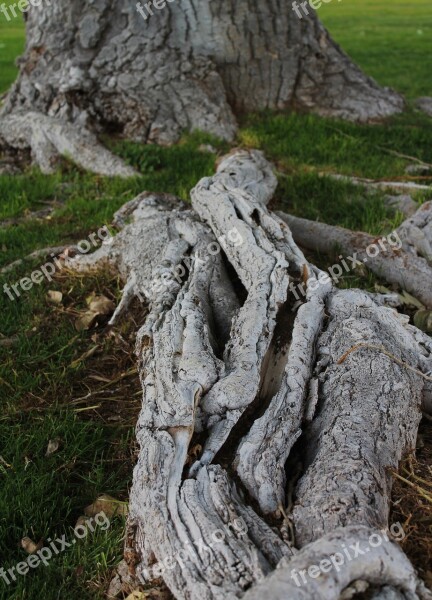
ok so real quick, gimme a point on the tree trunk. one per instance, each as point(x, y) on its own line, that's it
point(268, 425)
point(194, 64)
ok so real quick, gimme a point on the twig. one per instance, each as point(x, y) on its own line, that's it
point(42, 253)
point(418, 478)
point(383, 351)
point(407, 156)
point(418, 489)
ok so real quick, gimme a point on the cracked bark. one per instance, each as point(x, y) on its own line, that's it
point(193, 65)
point(270, 395)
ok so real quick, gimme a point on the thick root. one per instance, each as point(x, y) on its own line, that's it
point(240, 376)
point(48, 138)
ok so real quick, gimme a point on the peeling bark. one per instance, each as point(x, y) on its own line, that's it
point(268, 420)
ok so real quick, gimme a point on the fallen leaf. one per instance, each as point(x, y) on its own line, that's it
point(98, 306)
point(86, 321)
point(102, 305)
point(82, 520)
point(54, 297)
point(29, 546)
point(53, 446)
point(107, 504)
point(137, 595)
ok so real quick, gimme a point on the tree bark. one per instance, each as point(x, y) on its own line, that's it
point(194, 64)
point(407, 263)
point(268, 421)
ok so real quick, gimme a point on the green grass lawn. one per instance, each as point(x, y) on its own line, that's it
point(49, 370)
point(390, 40)
point(12, 40)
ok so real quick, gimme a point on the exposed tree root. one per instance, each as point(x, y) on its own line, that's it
point(384, 566)
point(48, 138)
point(41, 253)
point(405, 263)
point(234, 368)
point(397, 186)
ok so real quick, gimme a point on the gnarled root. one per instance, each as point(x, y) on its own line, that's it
point(239, 376)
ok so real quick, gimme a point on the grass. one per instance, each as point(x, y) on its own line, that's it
point(308, 142)
point(43, 377)
point(38, 492)
point(391, 41)
point(12, 41)
point(49, 370)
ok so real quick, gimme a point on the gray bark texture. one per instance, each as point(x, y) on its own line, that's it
point(408, 265)
point(268, 425)
point(194, 64)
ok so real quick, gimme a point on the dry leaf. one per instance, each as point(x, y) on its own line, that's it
point(54, 297)
point(98, 306)
point(86, 321)
point(107, 504)
point(53, 446)
point(82, 520)
point(137, 595)
point(102, 305)
point(29, 546)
